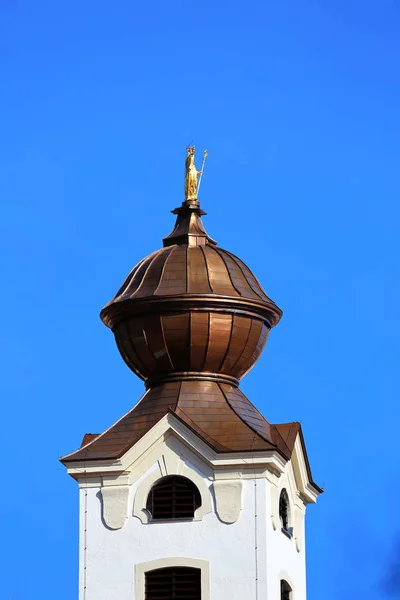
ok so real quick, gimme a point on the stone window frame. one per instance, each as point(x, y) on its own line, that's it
point(161, 563)
point(142, 492)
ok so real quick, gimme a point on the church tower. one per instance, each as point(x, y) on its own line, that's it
point(193, 494)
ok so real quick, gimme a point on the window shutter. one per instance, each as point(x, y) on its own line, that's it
point(286, 590)
point(173, 497)
point(174, 583)
point(283, 510)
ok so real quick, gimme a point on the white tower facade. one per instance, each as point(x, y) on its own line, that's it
point(236, 539)
point(193, 494)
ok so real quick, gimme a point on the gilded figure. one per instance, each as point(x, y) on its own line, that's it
point(191, 175)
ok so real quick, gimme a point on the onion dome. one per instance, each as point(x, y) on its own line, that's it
point(190, 320)
point(190, 309)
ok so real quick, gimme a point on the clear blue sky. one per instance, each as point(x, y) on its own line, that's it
point(298, 105)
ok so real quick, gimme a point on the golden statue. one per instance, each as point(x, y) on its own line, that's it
point(192, 181)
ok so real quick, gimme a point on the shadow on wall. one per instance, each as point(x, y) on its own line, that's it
point(100, 499)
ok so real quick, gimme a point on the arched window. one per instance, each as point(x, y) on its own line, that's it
point(173, 583)
point(286, 590)
point(284, 513)
point(173, 497)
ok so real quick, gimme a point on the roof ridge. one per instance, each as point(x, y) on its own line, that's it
point(190, 423)
point(241, 418)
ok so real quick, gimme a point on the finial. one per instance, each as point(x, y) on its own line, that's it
point(192, 179)
point(189, 228)
point(205, 154)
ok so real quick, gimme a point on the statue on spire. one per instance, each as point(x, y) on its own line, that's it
point(191, 176)
point(192, 179)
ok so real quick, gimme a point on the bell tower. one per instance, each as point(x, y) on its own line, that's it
point(192, 494)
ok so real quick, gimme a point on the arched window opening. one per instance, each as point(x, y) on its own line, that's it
point(173, 583)
point(286, 590)
point(173, 497)
point(284, 513)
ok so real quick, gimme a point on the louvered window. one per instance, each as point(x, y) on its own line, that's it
point(173, 497)
point(284, 513)
point(173, 583)
point(286, 590)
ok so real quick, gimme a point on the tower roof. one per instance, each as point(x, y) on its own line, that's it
point(190, 307)
point(191, 320)
point(219, 413)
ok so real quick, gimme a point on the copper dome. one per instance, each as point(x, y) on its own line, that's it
point(191, 320)
point(190, 309)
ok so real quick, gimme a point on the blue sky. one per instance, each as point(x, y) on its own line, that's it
point(298, 105)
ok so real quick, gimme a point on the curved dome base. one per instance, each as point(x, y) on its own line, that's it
point(192, 376)
point(219, 413)
point(160, 344)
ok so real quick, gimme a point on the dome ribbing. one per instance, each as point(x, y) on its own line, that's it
point(190, 309)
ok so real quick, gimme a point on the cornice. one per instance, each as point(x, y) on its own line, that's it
point(114, 313)
point(248, 464)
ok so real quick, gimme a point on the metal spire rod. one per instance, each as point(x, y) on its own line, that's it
point(202, 171)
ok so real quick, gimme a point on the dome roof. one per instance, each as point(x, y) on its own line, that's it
point(190, 308)
point(182, 270)
point(189, 266)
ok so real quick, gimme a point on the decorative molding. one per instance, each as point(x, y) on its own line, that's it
point(170, 464)
point(299, 514)
point(98, 479)
point(307, 490)
point(228, 497)
point(115, 505)
point(161, 563)
point(274, 505)
point(269, 459)
point(115, 479)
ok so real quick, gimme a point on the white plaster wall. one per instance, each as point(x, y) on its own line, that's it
point(283, 559)
point(111, 555)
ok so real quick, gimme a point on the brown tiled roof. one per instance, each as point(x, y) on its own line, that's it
point(218, 412)
point(89, 437)
point(288, 432)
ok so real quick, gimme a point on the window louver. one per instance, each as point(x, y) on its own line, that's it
point(283, 510)
point(175, 583)
point(285, 590)
point(173, 497)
